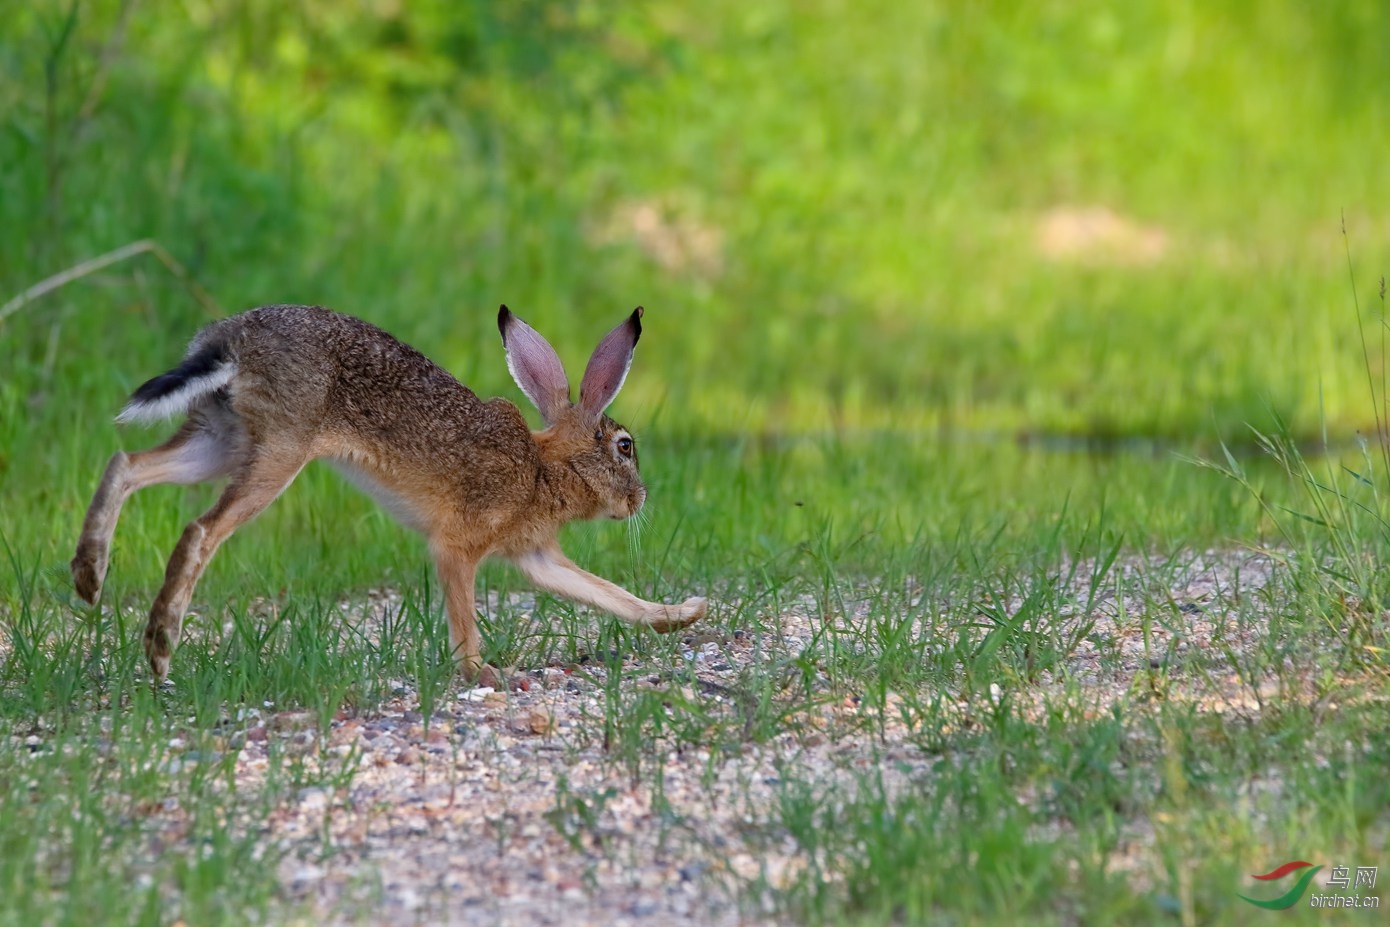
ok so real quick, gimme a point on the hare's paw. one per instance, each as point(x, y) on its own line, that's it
point(88, 572)
point(674, 617)
point(159, 649)
point(502, 680)
point(490, 677)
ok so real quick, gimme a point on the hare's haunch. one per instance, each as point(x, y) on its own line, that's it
point(269, 390)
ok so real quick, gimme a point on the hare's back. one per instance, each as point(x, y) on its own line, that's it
point(310, 366)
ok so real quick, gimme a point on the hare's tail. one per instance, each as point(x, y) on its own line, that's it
point(203, 371)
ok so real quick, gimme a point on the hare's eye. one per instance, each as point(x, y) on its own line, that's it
point(625, 446)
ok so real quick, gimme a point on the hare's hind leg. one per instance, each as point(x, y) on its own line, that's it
point(195, 453)
point(254, 487)
point(552, 571)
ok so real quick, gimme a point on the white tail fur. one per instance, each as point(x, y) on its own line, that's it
point(177, 400)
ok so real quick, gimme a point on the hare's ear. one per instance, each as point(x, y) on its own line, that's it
point(534, 366)
point(608, 366)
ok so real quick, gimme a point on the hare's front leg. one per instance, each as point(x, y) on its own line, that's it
point(458, 572)
point(552, 571)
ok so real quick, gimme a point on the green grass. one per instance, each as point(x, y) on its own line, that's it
point(957, 846)
point(919, 591)
point(835, 217)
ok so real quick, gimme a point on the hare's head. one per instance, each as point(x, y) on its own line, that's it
point(598, 451)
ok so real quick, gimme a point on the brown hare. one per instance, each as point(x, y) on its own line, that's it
point(269, 390)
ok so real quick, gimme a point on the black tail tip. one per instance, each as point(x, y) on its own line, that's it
point(202, 364)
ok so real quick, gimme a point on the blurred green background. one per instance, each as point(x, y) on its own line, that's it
point(1049, 218)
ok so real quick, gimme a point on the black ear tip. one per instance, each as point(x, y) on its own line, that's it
point(503, 315)
point(636, 320)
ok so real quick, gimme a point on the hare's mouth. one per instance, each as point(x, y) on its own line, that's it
point(633, 506)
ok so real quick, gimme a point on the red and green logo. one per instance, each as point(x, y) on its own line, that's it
point(1289, 898)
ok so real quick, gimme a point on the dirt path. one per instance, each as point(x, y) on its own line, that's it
point(508, 809)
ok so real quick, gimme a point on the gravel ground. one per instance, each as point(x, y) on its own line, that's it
point(456, 823)
point(506, 808)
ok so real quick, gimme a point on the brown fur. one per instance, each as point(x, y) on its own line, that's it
point(269, 390)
